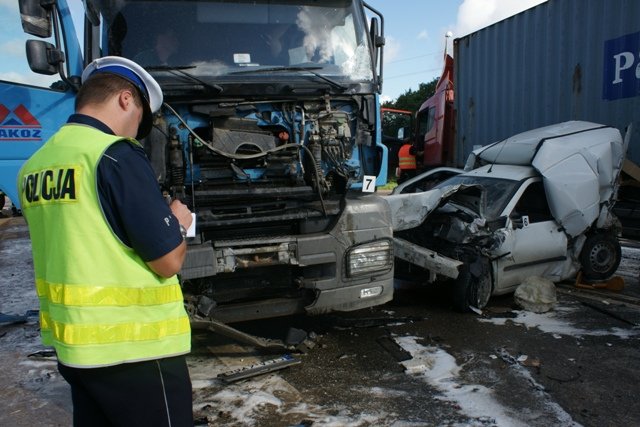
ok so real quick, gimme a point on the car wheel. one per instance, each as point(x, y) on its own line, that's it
point(600, 256)
point(473, 286)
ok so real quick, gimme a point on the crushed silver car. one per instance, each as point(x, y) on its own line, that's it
point(536, 204)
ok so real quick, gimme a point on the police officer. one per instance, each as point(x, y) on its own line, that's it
point(106, 250)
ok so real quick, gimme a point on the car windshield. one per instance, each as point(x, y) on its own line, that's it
point(499, 191)
point(220, 38)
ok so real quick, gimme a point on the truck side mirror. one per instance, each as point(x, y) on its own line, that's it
point(36, 18)
point(373, 33)
point(43, 57)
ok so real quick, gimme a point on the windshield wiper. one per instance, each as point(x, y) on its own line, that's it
point(179, 71)
point(294, 69)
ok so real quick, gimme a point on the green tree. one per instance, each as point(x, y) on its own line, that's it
point(412, 99)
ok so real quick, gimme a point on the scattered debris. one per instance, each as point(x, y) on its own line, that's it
point(43, 354)
point(371, 322)
point(393, 348)
point(261, 368)
point(530, 362)
point(9, 319)
point(522, 359)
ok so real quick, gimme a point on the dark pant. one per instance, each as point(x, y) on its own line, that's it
point(151, 393)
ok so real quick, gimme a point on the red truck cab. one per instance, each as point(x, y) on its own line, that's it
point(435, 122)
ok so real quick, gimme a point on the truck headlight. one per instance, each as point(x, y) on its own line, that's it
point(369, 258)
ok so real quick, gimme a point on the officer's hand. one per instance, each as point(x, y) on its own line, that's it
point(182, 212)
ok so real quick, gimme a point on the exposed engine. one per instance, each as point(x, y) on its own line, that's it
point(257, 160)
point(256, 175)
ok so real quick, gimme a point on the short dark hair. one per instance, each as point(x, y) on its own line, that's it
point(101, 86)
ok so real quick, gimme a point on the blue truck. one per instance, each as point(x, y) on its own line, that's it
point(269, 132)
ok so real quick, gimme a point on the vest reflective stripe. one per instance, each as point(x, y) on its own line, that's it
point(127, 352)
point(87, 295)
point(100, 304)
point(407, 163)
point(405, 159)
point(108, 333)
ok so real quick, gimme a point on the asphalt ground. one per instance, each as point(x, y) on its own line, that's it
point(411, 362)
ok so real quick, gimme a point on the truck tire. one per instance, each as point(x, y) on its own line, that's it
point(473, 286)
point(600, 256)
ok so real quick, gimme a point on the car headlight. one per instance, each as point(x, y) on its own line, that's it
point(369, 258)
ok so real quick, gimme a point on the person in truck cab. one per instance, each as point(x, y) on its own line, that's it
point(164, 48)
point(106, 250)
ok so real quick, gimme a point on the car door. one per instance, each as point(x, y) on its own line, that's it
point(535, 244)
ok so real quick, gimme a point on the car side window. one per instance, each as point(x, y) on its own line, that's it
point(426, 119)
point(533, 205)
point(431, 120)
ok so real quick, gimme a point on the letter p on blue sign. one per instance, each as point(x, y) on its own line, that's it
point(621, 77)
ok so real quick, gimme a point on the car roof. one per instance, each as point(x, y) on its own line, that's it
point(512, 172)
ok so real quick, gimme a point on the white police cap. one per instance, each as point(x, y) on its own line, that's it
point(138, 76)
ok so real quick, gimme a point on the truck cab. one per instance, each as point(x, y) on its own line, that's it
point(269, 132)
point(435, 123)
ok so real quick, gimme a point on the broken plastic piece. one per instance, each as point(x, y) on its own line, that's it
point(14, 318)
point(258, 369)
point(44, 354)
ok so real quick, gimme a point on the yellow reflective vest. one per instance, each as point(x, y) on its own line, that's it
point(100, 304)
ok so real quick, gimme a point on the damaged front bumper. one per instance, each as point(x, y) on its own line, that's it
point(426, 258)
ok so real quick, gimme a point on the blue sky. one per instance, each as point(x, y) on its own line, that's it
point(415, 40)
point(414, 29)
point(415, 34)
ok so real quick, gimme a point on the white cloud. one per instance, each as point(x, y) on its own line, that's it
point(476, 14)
point(391, 49)
point(14, 47)
point(12, 76)
point(29, 79)
point(384, 98)
point(423, 35)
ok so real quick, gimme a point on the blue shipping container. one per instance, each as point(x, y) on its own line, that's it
point(561, 60)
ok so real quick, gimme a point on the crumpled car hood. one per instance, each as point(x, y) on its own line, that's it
point(410, 210)
point(579, 162)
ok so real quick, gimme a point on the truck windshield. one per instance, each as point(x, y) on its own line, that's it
point(220, 38)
